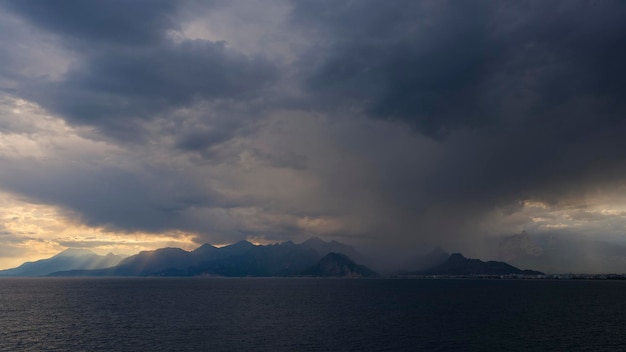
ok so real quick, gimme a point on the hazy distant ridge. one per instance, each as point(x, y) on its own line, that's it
point(70, 259)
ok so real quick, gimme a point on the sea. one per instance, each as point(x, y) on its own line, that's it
point(306, 314)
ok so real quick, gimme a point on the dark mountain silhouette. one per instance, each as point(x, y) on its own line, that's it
point(206, 250)
point(338, 265)
point(246, 259)
point(239, 259)
point(70, 259)
point(457, 264)
point(150, 262)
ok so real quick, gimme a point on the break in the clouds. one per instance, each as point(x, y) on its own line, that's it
point(394, 124)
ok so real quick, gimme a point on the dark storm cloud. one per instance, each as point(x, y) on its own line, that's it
point(447, 65)
point(111, 87)
point(200, 141)
point(525, 99)
point(538, 81)
point(128, 68)
point(102, 21)
point(406, 59)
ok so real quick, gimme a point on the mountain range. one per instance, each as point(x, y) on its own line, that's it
point(313, 257)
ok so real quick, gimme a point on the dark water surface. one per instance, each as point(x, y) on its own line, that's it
point(311, 315)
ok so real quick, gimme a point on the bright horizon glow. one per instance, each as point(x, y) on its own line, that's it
point(38, 231)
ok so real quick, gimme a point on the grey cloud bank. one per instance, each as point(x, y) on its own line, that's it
point(394, 124)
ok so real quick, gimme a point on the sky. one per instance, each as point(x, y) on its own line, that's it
point(389, 125)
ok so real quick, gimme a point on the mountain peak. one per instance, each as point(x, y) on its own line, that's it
point(205, 248)
point(457, 256)
point(314, 241)
point(240, 247)
point(242, 243)
point(339, 265)
point(75, 252)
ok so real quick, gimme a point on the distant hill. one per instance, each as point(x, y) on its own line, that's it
point(338, 265)
point(457, 264)
point(237, 260)
point(70, 259)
